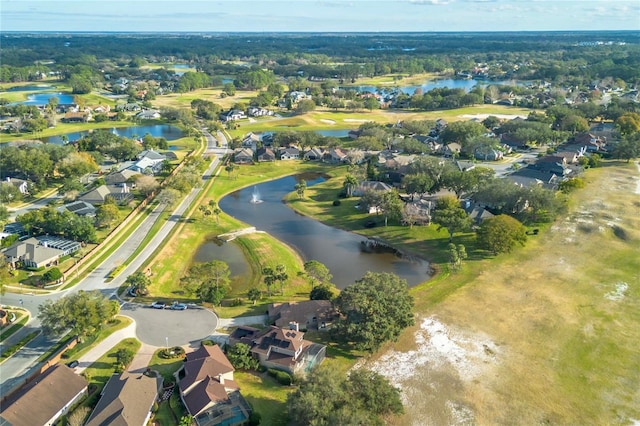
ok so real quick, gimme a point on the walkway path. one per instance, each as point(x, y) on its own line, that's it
point(103, 347)
point(142, 359)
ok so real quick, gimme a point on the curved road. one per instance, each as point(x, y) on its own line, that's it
point(17, 368)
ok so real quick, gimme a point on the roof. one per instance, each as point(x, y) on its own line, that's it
point(201, 368)
point(281, 338)
point(32, 250)
point(120, 177)
point(151, 154)
point(208, 391)
point(373, 185)
point(126, 400)
point(301, 312)
point(97, 195)
point(50, 392)
point(79, 208)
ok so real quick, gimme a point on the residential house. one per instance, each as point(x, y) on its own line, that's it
point(232, 115)
point(354, 134)
point(31, 253)
point(487, 154)
point(335, 155)
point(552, 164)
point(251, 140)
point(266, 154)
point(149, 114)
point(309, 314)
point(21, 184)
point(130, 107)
point(121, 177)
point(371, 185)
point(76, 117)
point(592, 142)
point(464, 166)
point(289, 153)
point(478, 213)
point(298, 96)
point(281, 348)
point(314, 154)
point(97, 196)
point(101, 109)
point(451, 150)
point(528, 176)
point(45, 399)
point(258, 112)
point(149, 162)
point(81, 208)
point(513, 143)
point(568, 157)
point(127, 400)
point(208, 390)
point(243, 156)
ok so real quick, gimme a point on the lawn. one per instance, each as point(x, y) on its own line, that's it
point(99, 372)
point(265, 395)
point(558, 320)
point(118, 323)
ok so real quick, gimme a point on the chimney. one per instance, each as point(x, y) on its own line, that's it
point(221, 379)
point(294, 326)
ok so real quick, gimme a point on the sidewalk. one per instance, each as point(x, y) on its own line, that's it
point(142, 359)
point(103, 347)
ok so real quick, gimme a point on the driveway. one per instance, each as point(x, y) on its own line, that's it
point(157, 326)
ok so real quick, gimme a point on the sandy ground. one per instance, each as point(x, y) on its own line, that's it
point(517, 344)
point(327, 121)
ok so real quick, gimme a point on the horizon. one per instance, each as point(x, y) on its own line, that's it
point(326, 16)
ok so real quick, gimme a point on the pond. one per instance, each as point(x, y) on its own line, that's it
point(230, 253)
point(30, 88)
point(156, 130)
point(467, 85)
point(339, 250)
point(41, 99)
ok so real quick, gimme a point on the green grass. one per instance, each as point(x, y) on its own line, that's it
point(265, 395)
point(166, 367)
point(15, 348)
point(80, 349)
point(100, 371)
point(9, 329)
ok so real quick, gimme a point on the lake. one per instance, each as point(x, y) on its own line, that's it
point(156, 130)
point(339, 250)
point(41, 99)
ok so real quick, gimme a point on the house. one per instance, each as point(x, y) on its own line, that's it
point(76, 117)
point(98, 195)
point(45, 399)
point(21, 184)
point(314, 154)
point(513, 143)
point(208, 390)
point(552, 164)
point(243, 156)
point(568, 157)
point(149, 114)
point(81, 208)
point(354, 134)
point(266, 154)
point(487, 154)
point(298, 96)
point(232, 115)
point(591, 141)
point(31, 253)
point(281, 348)
point(335, 155)
point(464, 166)
point(119, 178)
point(528, 176)
point(258, 112)
point(251, 140)
point(476, 212)
point(289, 153)
point(131, 106)
point(101, 109)
point(149, 162)
point(451, 150)
point(310, 314)
point(371, 185)
point(127, 399)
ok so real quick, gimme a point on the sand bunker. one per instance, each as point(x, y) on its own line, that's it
point(500, 116)
point(619, 292)
point(355, 120)
point(327, 121)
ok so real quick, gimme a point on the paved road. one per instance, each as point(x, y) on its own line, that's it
point(37, 204)
point(17, 368)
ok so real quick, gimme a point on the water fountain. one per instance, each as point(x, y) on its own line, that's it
point(255, 196)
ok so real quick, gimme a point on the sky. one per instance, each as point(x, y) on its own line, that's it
point(318, 15)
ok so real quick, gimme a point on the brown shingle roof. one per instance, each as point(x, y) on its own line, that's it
point(281, 338)
point(213, 364)
point(42, 399)
point(208, 391)
point(126, 400)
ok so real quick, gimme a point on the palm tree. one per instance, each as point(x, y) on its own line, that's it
point(350, 183)
point(281, 275)
point(254, 294)
point(269, 278)
point(300, 188)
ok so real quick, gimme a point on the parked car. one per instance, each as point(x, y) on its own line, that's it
point(132, 292)
point(178, 306)
point(73, 364)
point(158, 305)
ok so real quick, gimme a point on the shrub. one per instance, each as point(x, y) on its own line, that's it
point(336, 203)
point(174, 352)
point(208, 342)
point(281, 377)
point(255, 418)
point(236, 302)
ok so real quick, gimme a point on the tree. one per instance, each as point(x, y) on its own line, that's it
point(305, 105)
point(323, 291)
point(317, 273)
point(628, 147)
point(467, 181)
point(282, 276)
point(326, 397)
point(209, 281)
point(300, 188)
point(168, 196)
point(186, 420)
point(628, 123)
point(147, 185)
point(269, 277)
point(51, 275)
point(83, 313)
point(139, 283)
point(499, 234)
point(106, 215)
point(124, 356)
point(77, 164)
point(229, 168)
point(391, 206)
point(254, 294)
point(241, 358)
point(450, 216)
point(373, 310)
point(350, 183)
point(462, 131)
point(456, 255)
